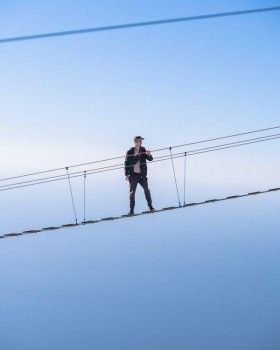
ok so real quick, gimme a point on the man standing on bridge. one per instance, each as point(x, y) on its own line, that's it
point(136, 171)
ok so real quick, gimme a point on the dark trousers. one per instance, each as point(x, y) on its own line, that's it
point(134, 179)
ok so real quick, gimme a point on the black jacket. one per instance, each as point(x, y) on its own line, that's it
point(131, 159)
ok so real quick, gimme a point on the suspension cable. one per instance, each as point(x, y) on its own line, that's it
point(135, 25)
point(85, 195)
point(70, 187)
point(185, 165)
point(174, 174)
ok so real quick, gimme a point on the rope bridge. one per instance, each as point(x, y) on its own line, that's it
point(186, 150)
point(111, 218)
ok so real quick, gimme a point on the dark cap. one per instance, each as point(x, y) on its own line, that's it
point(138, 138)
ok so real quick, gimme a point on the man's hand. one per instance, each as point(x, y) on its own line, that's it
point(148, 153)
point(127, 177)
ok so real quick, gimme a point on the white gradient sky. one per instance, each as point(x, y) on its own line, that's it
point(205, 277)
point(80, 98)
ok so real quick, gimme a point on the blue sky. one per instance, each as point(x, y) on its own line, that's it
point(201, 278)
point(75, 99)
point(204, 277)
point(80, 98)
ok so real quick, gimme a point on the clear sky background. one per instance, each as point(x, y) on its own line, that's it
point(81, 98)
point(201, 279)
point(204, 278)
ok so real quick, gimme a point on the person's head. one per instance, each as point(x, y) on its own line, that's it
point(138, 141)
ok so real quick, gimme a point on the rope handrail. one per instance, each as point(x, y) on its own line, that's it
point(159, 159)
point(155, 150)
point(113, 167)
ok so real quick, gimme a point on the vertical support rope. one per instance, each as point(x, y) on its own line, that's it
point(172, 161)
point(85, 174)
point(73, 204)
point(185, 165)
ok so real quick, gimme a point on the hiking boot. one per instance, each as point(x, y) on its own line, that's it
point(151, 208)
